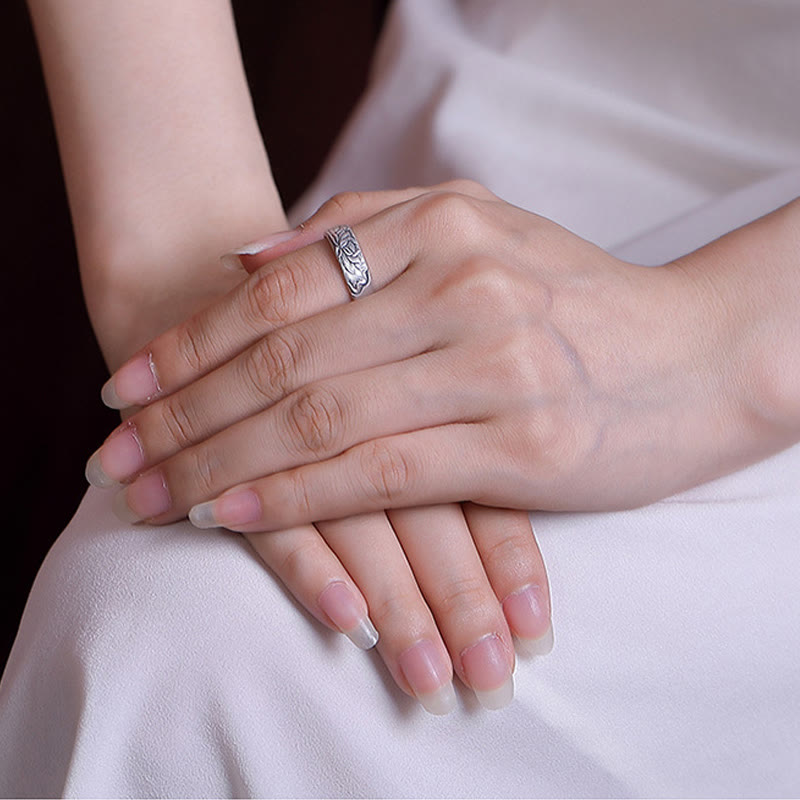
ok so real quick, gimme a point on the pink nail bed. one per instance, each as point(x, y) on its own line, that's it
point(427, 671)
point(348, 614)
point(424, 667)
point(341, 606)
point(527, 612)
point(148, 496)
point(122, 455)
point(233, 260)
point(486, 664)
point(134, 383)
point(238, 508)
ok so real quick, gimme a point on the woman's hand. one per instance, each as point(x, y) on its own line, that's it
point(445, 586)
point(503, 360)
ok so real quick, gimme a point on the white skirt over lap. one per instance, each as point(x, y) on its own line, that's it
point(168, 662)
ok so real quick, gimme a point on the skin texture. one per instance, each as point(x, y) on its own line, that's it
point(509, 363)
point(159, 188)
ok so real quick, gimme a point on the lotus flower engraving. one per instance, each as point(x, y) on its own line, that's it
point(351, 259)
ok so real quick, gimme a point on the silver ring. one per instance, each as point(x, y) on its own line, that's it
point(351, 259)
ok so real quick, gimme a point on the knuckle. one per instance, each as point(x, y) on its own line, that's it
point(178, 421)
point(463, 595)
point(298, 494)
point(272, 296)
point(388, 472)
point(468, 187)
point(509, 550)
point(195, 347)
point(482, 284)
point(204, 467)
point(549, 444)
point(395, 611)
point(343, 205)
point(315, 418)
point(452, 214)
point(271, 365)
point(293, 567)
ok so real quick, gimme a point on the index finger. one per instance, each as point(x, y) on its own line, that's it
point(290, 288)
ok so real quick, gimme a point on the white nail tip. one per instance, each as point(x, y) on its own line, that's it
point(109, 396)
point(120, 507)
point(232, 262)
point(363, 635)
point(96, 475)
point(202, 516)
point(495, 699)
point(440, 702)
point(533, 648)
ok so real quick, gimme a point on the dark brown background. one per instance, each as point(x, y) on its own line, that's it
point(52, 418)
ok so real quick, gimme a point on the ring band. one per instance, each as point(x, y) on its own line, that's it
point(351, 259)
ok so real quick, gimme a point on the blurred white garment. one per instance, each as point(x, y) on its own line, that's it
point(167, 662)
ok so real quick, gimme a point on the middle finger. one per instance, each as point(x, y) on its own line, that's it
point(311, 425)
point(266, 372)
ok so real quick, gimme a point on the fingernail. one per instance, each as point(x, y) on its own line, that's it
point(527, 612)
point(119, 458)
point(145, 498)
point(237, 508)
point(428, 674)
point(348, 614)
point(488, 672)
point(232, 260)
point(96, 475)
point(133, 384)
point(533, 648)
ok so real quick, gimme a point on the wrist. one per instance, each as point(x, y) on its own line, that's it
point(748, 285)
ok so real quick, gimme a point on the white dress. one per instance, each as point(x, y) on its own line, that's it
point(168, 662)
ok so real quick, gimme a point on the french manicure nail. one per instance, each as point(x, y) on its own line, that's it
point(145, 498)
point(229, 510)
point(133, 384)
point(488, 672)
point(527, 612)
point(232, 260)
point(348, 615)
point(533, 648)
point(119, 458)
point(428, 674)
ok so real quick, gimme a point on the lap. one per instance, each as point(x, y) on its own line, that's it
point(166, 661)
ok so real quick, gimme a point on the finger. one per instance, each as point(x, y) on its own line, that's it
point(317, 422)
point(345, 208)
point(286, 290)
point(515, 568)
point(410, 469)
point(315, 576)
point(410, 643)
point(255, 380)
point(448, 569)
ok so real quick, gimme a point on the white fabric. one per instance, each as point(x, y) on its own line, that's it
point(166, 662)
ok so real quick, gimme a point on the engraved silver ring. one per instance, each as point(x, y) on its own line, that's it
point(351, 259)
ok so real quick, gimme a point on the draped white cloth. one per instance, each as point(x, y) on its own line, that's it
point(167, 662)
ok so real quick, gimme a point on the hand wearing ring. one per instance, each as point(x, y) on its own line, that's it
point(501, 360)
point(523, 593)
point(485, 366)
